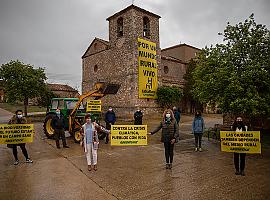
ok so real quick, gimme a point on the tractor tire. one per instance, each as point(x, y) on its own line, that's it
point(77, 135)
point(47, 126)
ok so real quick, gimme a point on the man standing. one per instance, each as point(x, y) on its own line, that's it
point(110, 119)
point(19, 119)
point(138, 115)
point(176, 115)
point(58, 124)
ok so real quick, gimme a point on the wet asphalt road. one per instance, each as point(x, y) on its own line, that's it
point(132, 172)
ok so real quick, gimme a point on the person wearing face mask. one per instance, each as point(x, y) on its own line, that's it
point(239, 126)
point(197, 130)
point(90, 141)
point(169, 135)
point(138, 115)
point(58, 124)
point(110, 119)
point(19, 119)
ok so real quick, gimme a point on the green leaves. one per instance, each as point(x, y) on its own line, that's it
point(22, 81)
point(236, 74)
point(167, 96)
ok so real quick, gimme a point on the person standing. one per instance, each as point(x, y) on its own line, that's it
point(197, 129)
point(58, 124)
point(239, 126)
point(110, 119)
point(177, 115)
point(19, 119)
point(169, 135)
point(138, 115)
point(90, 142)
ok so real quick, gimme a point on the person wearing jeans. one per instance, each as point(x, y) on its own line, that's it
point(19, 119)
point(169, 135)
point(197, 130)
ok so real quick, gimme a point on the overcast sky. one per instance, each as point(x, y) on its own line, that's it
point(54, 34)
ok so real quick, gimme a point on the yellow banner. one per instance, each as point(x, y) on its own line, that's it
point(93, 106)
point(148, 81)
point(240, 142)
point(128, 135)
point(16, 133)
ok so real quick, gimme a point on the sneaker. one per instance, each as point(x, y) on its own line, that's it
point(167, 166)
point(29, 161)
point(237, 173)
point(16, 162)
point(95, 167)
point(242, 173)
point(200, 149)
point(170, 166)
point(89, 167)
point(196, 149)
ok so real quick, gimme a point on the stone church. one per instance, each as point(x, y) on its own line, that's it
point(116, 60)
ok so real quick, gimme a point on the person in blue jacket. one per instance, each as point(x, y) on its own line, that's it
point(197, 129)
point(110, 119)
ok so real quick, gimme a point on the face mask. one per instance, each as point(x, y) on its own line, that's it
point(110, 109)
point(20, 116)
point(168, 115)
point(58, 112)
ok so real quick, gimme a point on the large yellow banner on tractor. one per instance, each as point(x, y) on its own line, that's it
point(148, 81)
point(128, 135)
point(93, 106)
point(16, 133)
point(240, 142)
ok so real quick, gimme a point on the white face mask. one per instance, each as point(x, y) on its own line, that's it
point(110, 109)
point(20, 116)
point(58, 112)
point(168, 115)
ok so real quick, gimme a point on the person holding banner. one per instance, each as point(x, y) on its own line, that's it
point(197, 130)
point(90, 142)
point(138, 115)
point(110, 119)
point(19, 119)
point(169, 135)
point(239, 126)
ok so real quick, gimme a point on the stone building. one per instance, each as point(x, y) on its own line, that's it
point(116, 60)
point(62, 90)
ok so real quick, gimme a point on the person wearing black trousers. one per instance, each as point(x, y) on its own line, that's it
point(169, 135)
point(19, 119)
point(239, 126)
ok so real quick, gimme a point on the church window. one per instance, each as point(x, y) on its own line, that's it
point(95, 68)
point(166, 69)
point(146, 27)
point(120, 27)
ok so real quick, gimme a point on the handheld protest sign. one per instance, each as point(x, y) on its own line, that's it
point(128, 135)
point(240, 142)
point(16, 133)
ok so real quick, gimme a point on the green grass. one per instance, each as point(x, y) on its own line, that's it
point(13, 107)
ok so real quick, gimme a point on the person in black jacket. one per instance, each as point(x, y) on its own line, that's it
point(138, 115)
point(19, 119)
point(169, 135)
point(239, 126)
point(58, 124)
point(110, 119)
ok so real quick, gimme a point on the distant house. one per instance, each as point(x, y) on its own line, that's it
point(62, 90)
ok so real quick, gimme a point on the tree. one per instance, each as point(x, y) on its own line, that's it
point(236, 74)
point(22, 81)
point(44, 98)
point(167, 96)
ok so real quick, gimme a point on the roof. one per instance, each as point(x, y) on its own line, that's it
point(180, 45)
point(107, 43)
point(172, 59)
point(60, 87)
point(132, 7)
